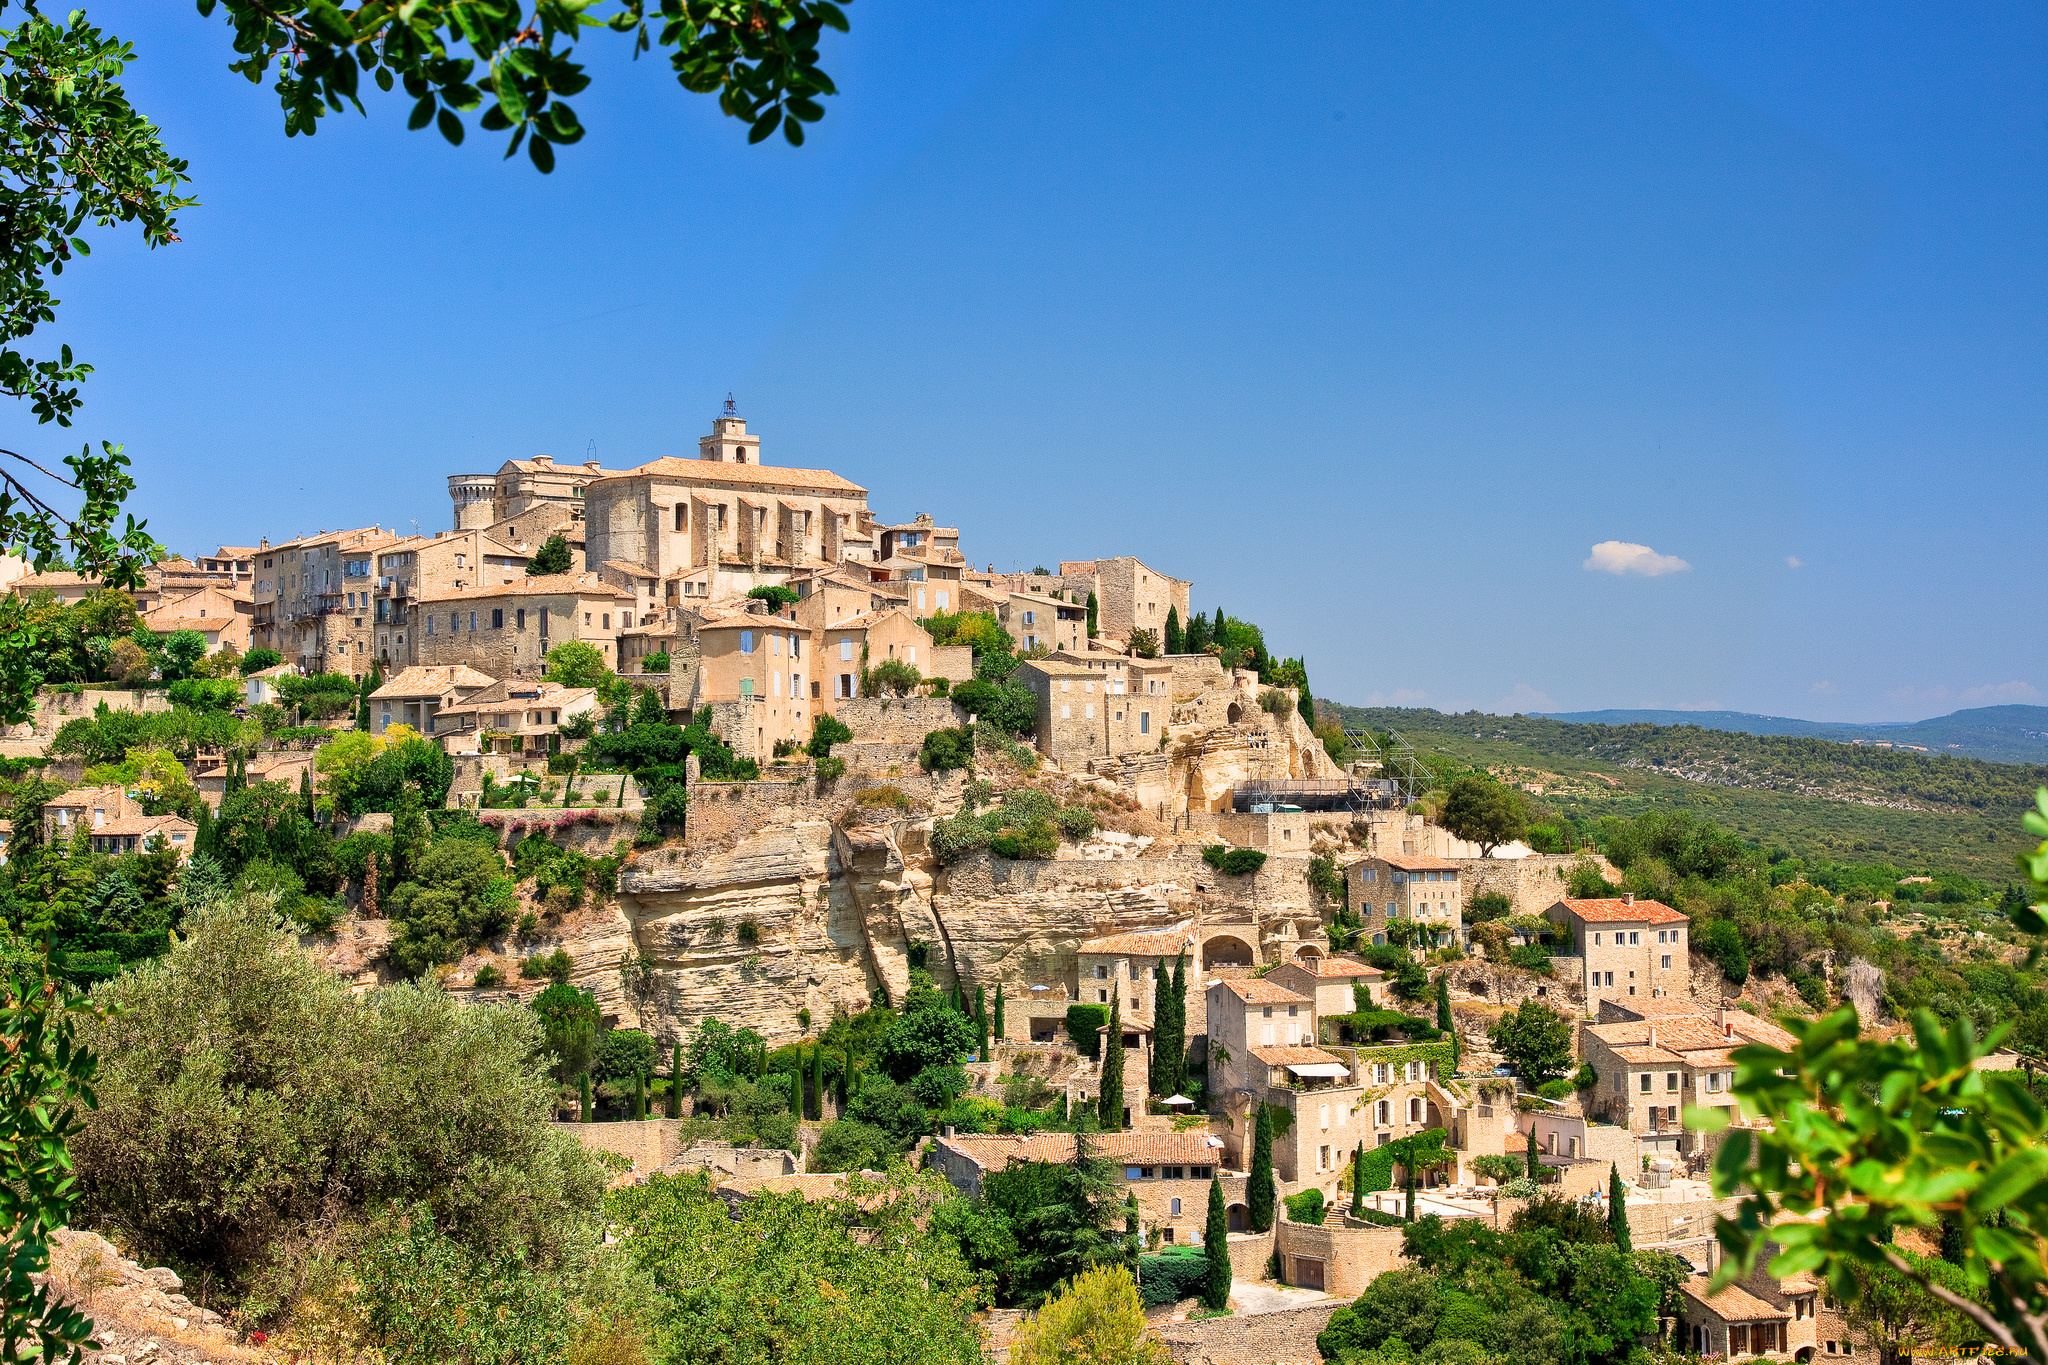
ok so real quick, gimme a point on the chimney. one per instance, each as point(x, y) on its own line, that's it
point(1653, 1035)
point(1727, 1029)
point(544, 461)
point(591, 465)
point(1628, 898)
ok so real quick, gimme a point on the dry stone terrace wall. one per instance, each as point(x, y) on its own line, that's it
point(898, 720)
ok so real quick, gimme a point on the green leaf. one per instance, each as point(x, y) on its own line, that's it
point(511, 95)
point(422, 113)
point(384, 81)
point(764, 126)
point(794, 131)
point(329, 22)
point(541, 154)
point(450, 126)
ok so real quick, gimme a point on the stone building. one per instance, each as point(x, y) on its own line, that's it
point(1039, 623)
point(1330, 981)
point(1130, 594)
point(1419, 887)
point(1632, 950)
point(1169, 1173)
point(418, 568)
point(1656, 1057)
point(506, 629)
point(723, 523)
point(520, 718)
point(414, 696)
point(520, 486)
point(312, 601)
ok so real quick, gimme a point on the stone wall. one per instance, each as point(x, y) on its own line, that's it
point(1193, 673)
point(650, 1143)
point(1279, 832)
point(1249, 1253)
point(1533, 884)
point(898, 720)
point(1288, 1335)
point(1353, 1253)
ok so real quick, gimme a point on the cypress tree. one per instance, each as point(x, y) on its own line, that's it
point(1408, 1165)
point(1532, 1151)
point(1132, 1244)
point(1443, 1001)
point(1110, 1106)
point(1617, 1212)
point(1176, 638)
point(1216, 1246)
point(1091, 615)
point(1162, 1031)
point(1358, 1178)
point(1221, 632)
point(306, 790)
point(845, 1077)
point(586, 1097)
point(1258, 1191)
point(1179, 1059)
point(981, 1018)
point(675, 1082)
point(818, 1079)
point(999, 1012)
point(639, 1095)
point(796, 1088)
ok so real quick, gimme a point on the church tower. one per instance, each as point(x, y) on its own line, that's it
point(728, 442)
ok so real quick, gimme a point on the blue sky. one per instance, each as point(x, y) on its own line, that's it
point(1374, 323)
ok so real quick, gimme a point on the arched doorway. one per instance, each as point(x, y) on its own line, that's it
point(1237, 1223)
point(1234, 714)
point(1308, 952)
point(1225, 951)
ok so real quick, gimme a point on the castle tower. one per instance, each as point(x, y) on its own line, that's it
point(728, 442)
point(474, 496)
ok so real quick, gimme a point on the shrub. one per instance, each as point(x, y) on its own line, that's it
point(1037, 841)
point(1076, 822)
point(826, 731)
point(1009, 706)
point(749, 930)
point(1235, 862)
point(1486, 907)
point(1082, 1021)
point(1585, 1078)
point(1531, 957)
point(656, 662)
point(1501, 1168)
point(891, 676)
point(882, 797)
point(1306, 1207)
point(1276, 703)
point(555, 966)
point(831, 768)
point(1175, 1274)
point(487, 976)
point(945, 750)
point(1523, 1188)
point(1556, 1089)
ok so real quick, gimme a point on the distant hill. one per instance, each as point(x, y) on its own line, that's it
point(1996, 734)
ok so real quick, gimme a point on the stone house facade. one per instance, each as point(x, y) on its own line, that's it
point(1632, 950)
point(413, 696)
point(522, 718)
point(1130, 594)
point(505, 630)
point(419, 568)
point(1169, 1173)
point(1428, 890)
point(1039, 623)
point(520, 486)
point(312, 600)
point(1329, 981)
point(1655, 1058)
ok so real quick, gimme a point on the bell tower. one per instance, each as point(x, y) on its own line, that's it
point(728, 442)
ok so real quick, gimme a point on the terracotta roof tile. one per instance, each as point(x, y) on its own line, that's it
point(1732, 1304)
point(718, 471)
point(1159, 943)
point(1409, 862)
point(1140, 1149)
point(425, 680)
point(1337, 968)
point(1254, 991)
point(1618, 911)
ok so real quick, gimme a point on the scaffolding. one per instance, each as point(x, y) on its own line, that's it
point(1403, 778)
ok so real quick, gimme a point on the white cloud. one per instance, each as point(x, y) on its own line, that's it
point(1794, 562)
point(1999, 694)
point(1524, 699)
point(1824, 688)
point(1622, 557)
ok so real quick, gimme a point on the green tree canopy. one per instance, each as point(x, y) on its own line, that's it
point(1486, 812)
point(1534, 1039)
point(573, 663)
point(552, 557)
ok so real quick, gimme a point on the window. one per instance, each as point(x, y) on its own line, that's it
point(1091, 712)
point(1145, 728)
point(1596, 940)
point(1415, 1108)
point(1645, 1078)
point(1635, 940)
point(1066, 713)
point(1379, 1073)
point(1030, 618)
point(1667, 960)
point(746, 642)
point(1101, 972)
point(1175, 1208)
point(1671, 1080)
point(1384, 1111)
point(497, 619)
point(746, 687)
point(845, 650)
point(1102, 998)
point(522, 618)
point(796, 646)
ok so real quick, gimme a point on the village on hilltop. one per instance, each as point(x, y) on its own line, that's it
point(1224, 849)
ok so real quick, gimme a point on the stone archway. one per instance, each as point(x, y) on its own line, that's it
point(1234, 714)
point(1237, 1219)
point(1308, 952)
point(1225, 950)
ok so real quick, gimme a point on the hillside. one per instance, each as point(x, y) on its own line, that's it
point(1817, 798)
point(1996, 734)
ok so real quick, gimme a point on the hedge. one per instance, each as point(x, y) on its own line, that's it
point(1235, 862)
point(1172, 1276)
point(1082, 1021)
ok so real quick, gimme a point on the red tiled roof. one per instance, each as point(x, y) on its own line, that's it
point(425, 680)
point(674, 467)
point(142, 824)
point(542, 585)
point(1336, 968)
point(1409, 862)
point(1159, 943)
point(1256, 992)
point(1618, 911)
point(1733, 1304)
point(1141, 1149)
